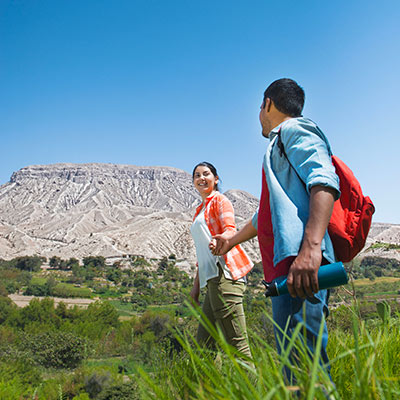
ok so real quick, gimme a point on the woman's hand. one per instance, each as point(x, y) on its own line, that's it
point(195, 292)
point(220, 244)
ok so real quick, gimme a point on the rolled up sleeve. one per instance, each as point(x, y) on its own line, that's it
point(254, 220)
point(309, 154)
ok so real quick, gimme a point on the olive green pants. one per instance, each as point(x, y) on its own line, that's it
point(223, 307)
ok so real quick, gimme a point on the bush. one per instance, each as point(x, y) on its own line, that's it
point(124, 391)
point(96, 383)
point(55, 349)
point(6, 308)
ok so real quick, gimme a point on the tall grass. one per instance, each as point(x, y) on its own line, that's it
point(365, 364)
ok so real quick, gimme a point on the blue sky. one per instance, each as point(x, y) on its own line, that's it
point(175, 82)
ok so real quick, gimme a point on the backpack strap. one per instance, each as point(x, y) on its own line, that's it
point(282, 152)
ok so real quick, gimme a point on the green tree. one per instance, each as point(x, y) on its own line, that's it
point(7, 307)
point(54, 262)
point(27, 263)
point(72, 261)
point(41, 312)
point(104, 312)
point(96, 262)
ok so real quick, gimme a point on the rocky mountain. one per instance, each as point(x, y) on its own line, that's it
point(383, 233)
point(75, 210)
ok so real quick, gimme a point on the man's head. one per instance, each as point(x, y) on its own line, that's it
point(283, 99)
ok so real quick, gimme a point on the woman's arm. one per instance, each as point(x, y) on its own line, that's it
point(226, 216)
point(195, 292)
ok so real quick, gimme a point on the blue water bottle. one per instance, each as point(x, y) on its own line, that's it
point(329, 276)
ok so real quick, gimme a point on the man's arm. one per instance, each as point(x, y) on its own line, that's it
point(221, 244)
point(302, 279)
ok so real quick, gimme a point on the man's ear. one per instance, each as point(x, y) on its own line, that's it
point(268, 103)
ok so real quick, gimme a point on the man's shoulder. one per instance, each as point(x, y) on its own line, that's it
point(301, 128)
point(300, 123)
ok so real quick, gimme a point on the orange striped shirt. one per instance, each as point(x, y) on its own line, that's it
point(220, 218)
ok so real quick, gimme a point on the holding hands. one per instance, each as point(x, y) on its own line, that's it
point(220, 244)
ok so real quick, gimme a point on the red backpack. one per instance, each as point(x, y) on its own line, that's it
point(351, 216)
point(352, 213)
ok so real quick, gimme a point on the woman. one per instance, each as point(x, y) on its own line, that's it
point(224, 276)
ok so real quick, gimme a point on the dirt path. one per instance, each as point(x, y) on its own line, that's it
point(22, 301)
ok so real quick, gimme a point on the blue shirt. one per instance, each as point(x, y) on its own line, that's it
point(309, 152)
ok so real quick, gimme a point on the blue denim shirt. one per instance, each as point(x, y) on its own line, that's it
point(309, 152)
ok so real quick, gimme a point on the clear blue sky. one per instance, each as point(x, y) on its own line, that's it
point(175, 82)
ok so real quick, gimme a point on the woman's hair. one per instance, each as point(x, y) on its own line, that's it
point(211, 168)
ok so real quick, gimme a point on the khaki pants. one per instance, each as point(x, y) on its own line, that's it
point(223, 306)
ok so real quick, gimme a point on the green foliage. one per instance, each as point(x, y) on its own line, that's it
point(114, 274)
point(138, 261)
point(32, 263)
point(54, 262)
point(363, 350)
point(96, 262)
point(66, 290)
point(55, 349)
point(26, 371)
point(38, 288)
point(385, 246)
point(7, 307)
point(12, 279)
point(383, 309)
point(96, 383)
point(123, 391)
point(39, 313)
point(162, 265)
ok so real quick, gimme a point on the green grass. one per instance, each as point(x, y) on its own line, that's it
point(38, 280)
point(383, 293)
point(365, 365)
point(386, 246)
point(69, 290)
point(377, 280)
point(124, 309)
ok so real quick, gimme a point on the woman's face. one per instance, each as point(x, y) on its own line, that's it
point(204, 181)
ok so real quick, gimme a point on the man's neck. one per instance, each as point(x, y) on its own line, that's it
point(282, 118)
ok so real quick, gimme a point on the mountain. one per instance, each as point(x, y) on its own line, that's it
point(75, 210)
point(383, 233)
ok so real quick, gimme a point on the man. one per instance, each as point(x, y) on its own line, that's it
point(299, 187)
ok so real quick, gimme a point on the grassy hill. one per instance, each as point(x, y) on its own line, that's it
point(135, 340)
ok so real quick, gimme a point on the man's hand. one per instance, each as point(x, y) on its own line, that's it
point(220, 244)
point(302, 279)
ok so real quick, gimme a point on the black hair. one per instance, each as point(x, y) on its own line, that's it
point(287, 95)
point(210, 167)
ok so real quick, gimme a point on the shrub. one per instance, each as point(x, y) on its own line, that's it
point(124, 391)
point(21, 368)
point(6, 308)
point(55, 349)
point(96, 383)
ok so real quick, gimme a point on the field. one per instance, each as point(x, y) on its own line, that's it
point(133, 339)
point(23, 301)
